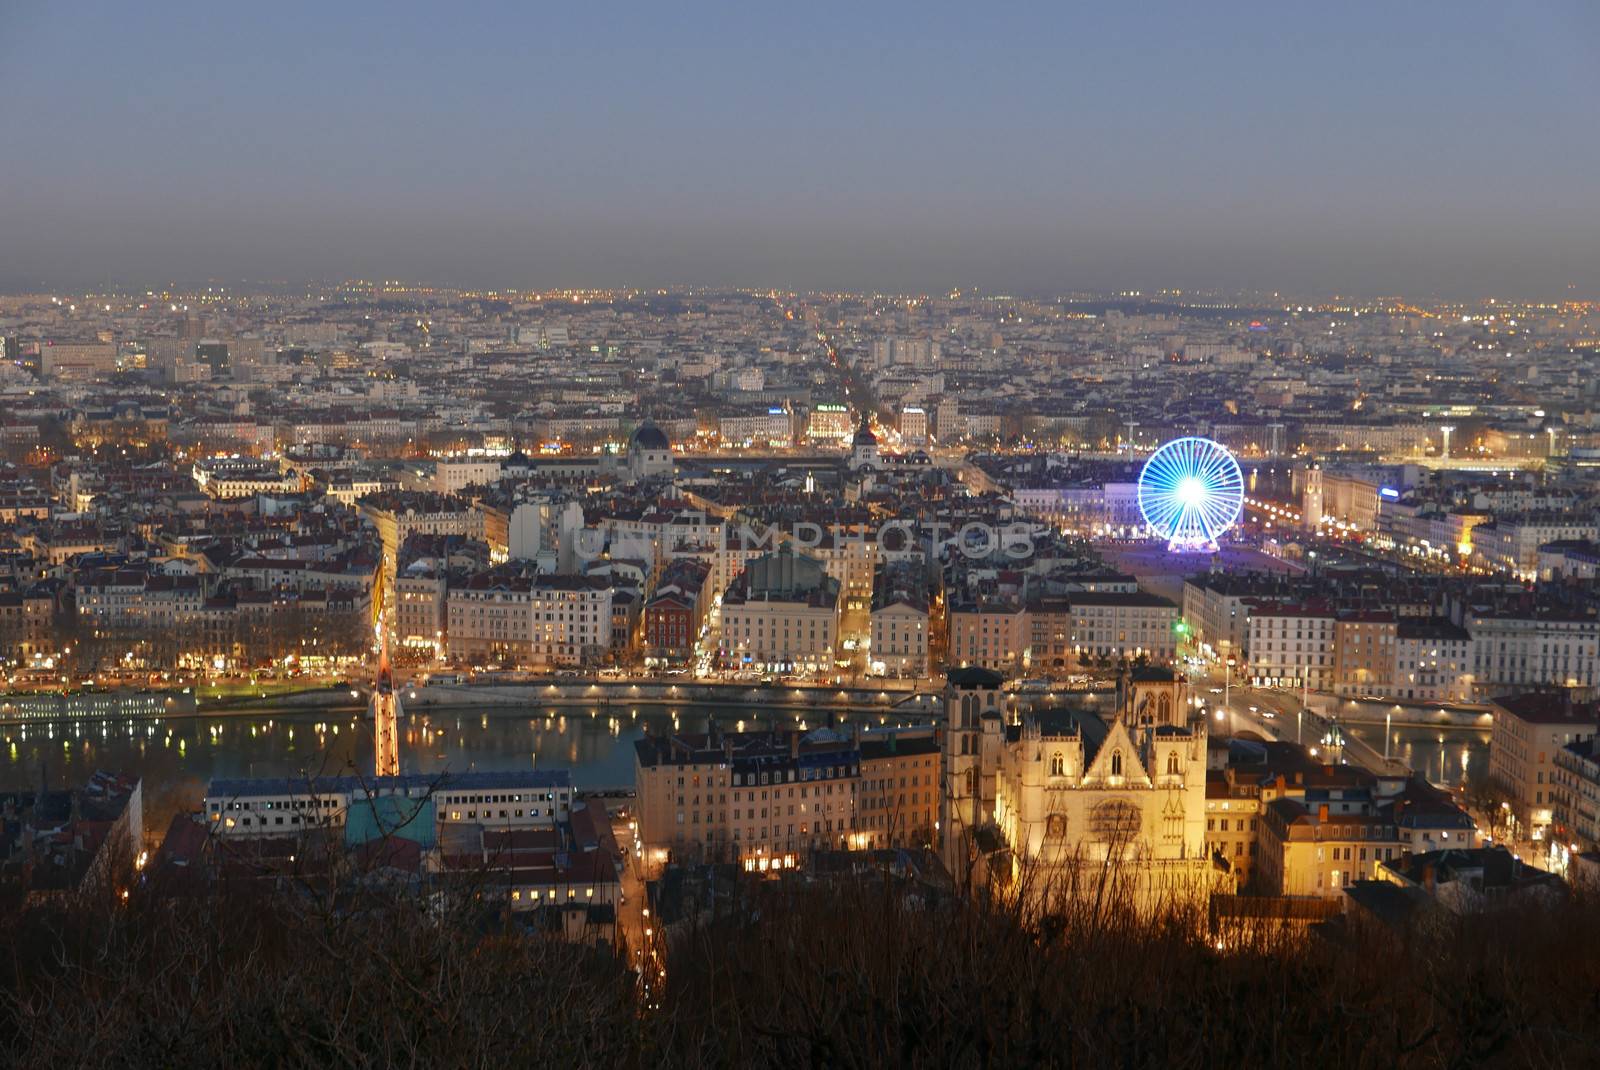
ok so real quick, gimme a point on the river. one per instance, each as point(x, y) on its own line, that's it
point(1273, 482)
point(1446, 756)
point(178, 756)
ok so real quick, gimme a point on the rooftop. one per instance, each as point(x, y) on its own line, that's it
point(1550, 707)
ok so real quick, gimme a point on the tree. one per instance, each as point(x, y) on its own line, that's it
point(1488, 801)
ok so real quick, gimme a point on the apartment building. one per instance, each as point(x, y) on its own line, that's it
point(986, 633)
point(455, 475)
point(421, 583)
point(1576, 810)
point(1292, 645)
point(781, 615)
point(1433, 661)
point(1320, 843)
point(27, 623)
point(76, 360)
point(899, 620)
point(768, 428)
point(676, 611)
point(829, 422)
point(1364, 652)
point(503, 615)
point(1530, 731)
point(1520, 644)
point(914, 424)
point(1124, 624)
point(135, 598)
point(1233, 809)
point(1217, 607)
point(419, 604)
point(1049, 634)
point(898, 800)
point(760, 798)
point(1511, 543)
point(850, 558)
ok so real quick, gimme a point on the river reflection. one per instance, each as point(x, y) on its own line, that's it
point(181, 755)
point(1446, 756)
point(177, 757)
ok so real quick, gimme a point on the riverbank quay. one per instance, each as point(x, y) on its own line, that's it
point(478, 696)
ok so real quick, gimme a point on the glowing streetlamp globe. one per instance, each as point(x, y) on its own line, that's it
point(1190, 491)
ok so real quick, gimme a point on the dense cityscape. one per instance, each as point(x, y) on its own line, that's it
point(825, 517)
point(561, 538)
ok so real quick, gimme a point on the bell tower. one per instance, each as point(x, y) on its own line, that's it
point(1152, 697)
point(969, 695)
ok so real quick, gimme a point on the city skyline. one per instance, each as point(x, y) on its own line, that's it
point(1428, 150)
point(1032, 535)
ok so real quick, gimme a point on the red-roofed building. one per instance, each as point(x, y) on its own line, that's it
point(676, 611)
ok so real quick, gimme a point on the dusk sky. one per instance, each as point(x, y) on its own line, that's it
point(1447, 148)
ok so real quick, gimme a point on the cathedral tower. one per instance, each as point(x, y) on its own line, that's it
point(970, 694)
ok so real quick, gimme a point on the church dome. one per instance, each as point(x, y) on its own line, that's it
point(647, 436)
point(865, 437)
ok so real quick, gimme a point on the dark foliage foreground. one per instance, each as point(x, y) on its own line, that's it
point(821, 977)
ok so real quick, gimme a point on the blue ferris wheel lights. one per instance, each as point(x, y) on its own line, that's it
point(1191, 490)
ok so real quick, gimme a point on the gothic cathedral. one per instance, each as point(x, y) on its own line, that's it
point(1060, 801)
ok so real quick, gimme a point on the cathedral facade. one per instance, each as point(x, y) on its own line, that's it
point(1079, 804)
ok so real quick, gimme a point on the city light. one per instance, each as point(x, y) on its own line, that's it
point(604, 614)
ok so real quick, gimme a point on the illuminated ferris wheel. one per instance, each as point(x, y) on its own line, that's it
point(1190, 492)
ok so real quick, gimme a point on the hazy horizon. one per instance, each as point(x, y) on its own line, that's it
point(1444, 150)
